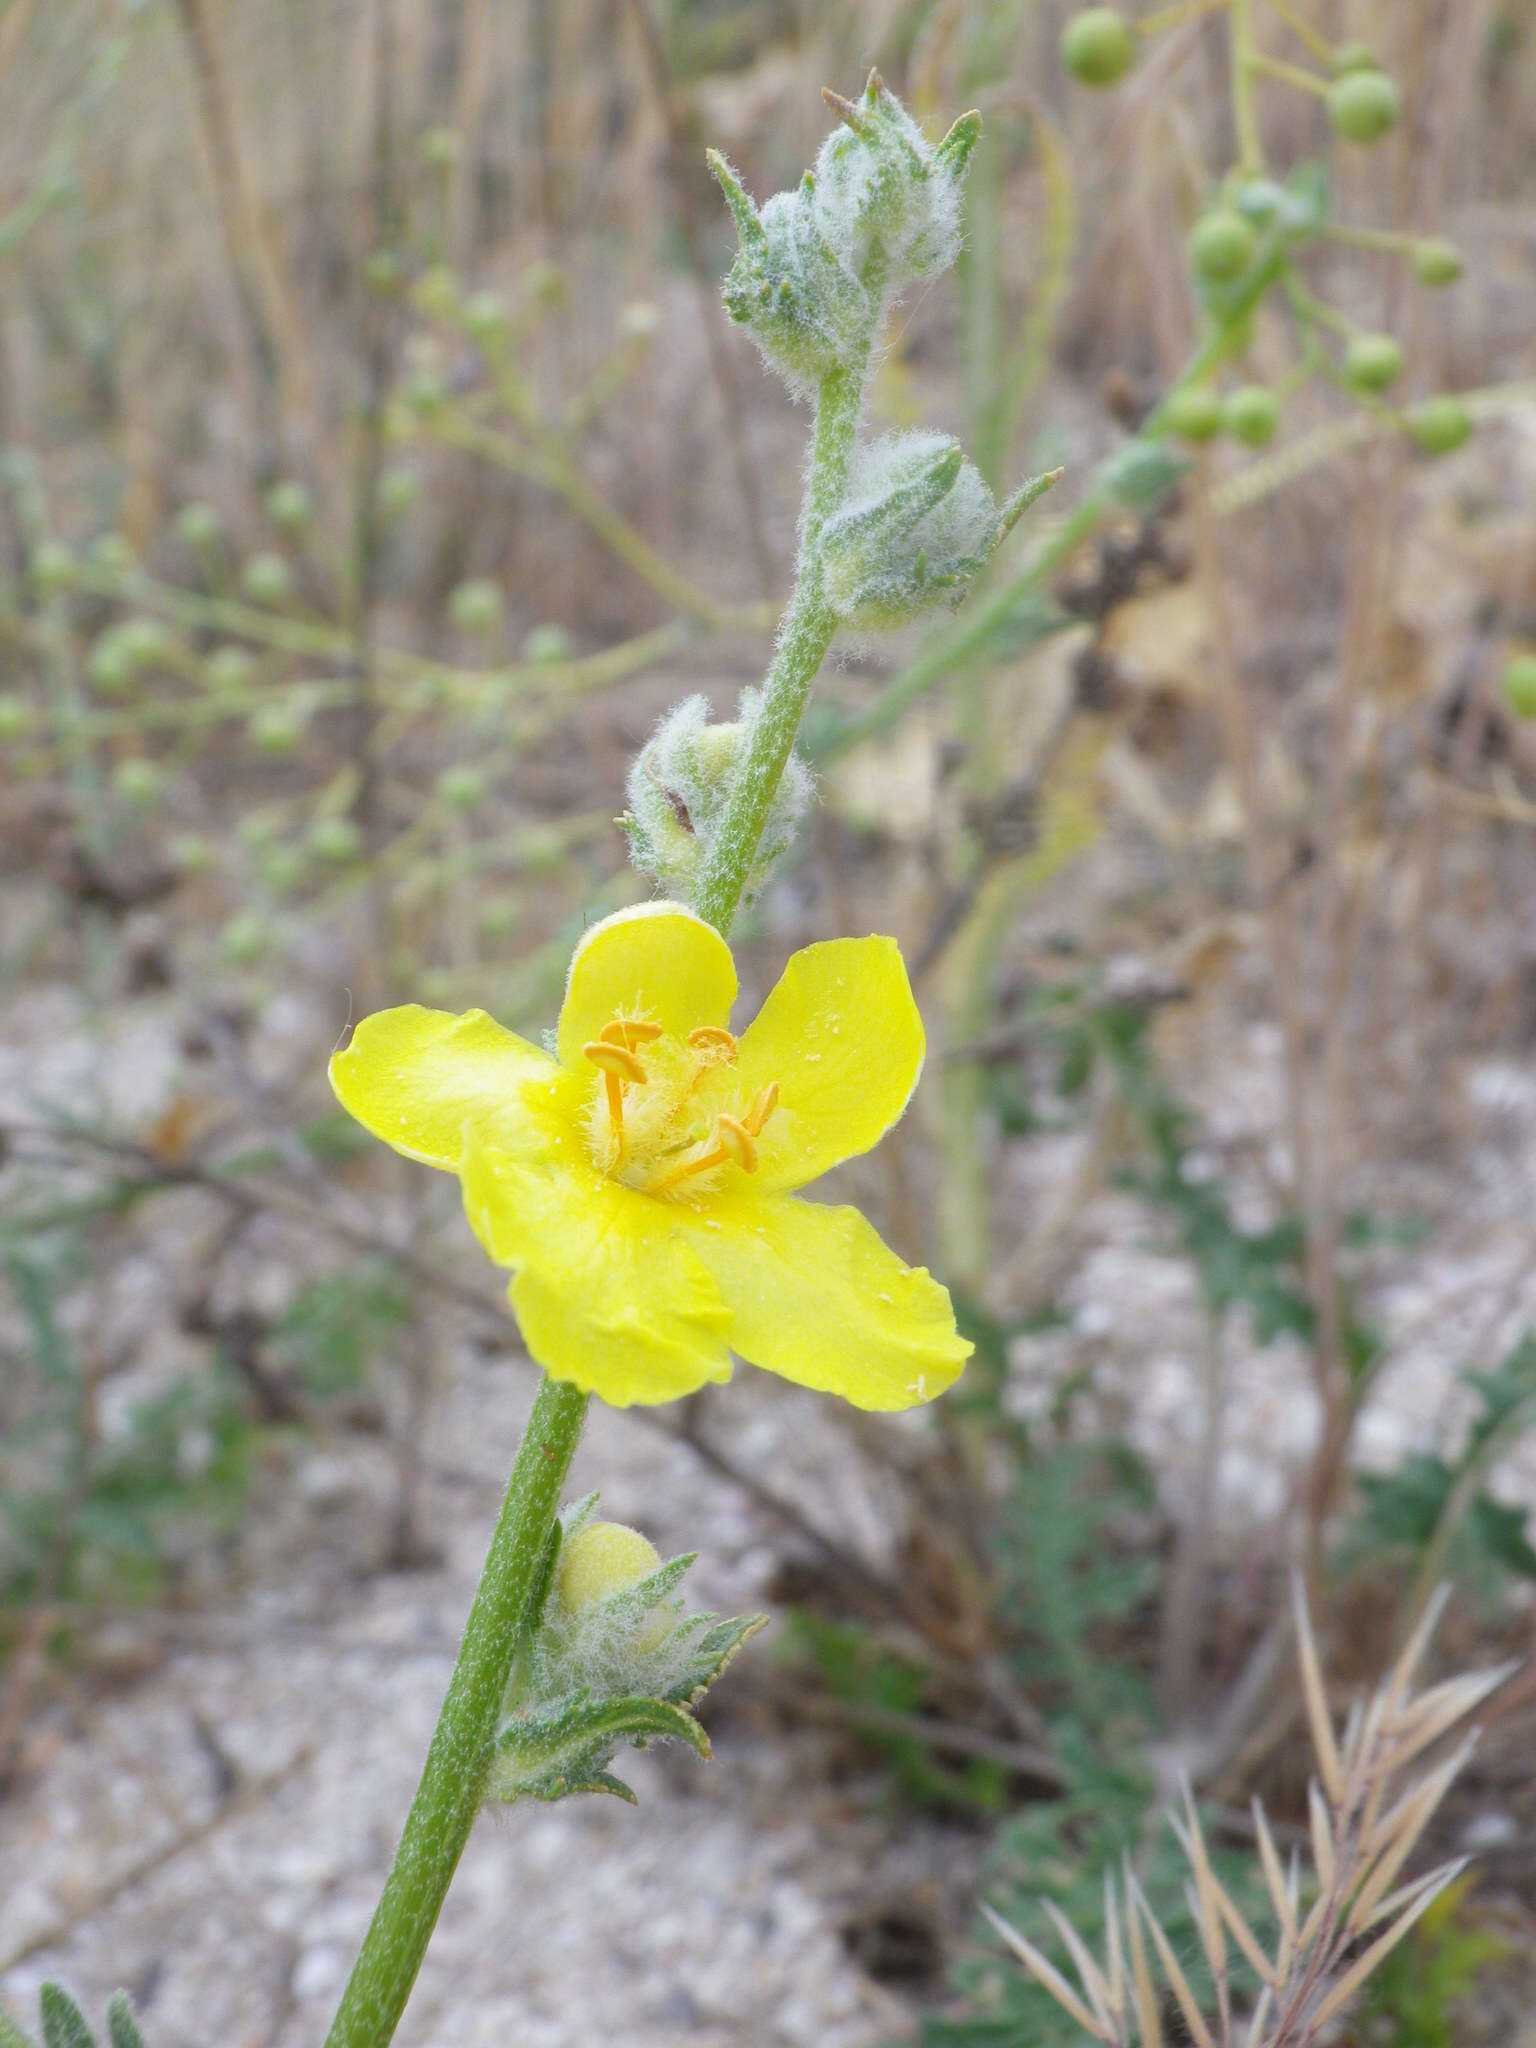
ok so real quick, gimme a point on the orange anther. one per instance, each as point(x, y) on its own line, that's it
point(629, 1032)
point(737, 1141)
point(763, 1104)
point(616, 1060)
point(714, 1041)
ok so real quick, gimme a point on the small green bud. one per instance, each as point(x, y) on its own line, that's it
point(282, 868)
point(1262, 201)
point(198, 525)
point(335, 840)
point(16, 716)
point(53, 568)
point(1194, 414)
point(1439, 425)
point(1097, 46)
point(267, 580)
point(1363, 105)
point(245, 938)
point(289, 506)
point(1436, 261)
point(461, 787)
point(277, 728)
point(190, 853)
point(144, 641)
point(440, 149)
point(228, 668)
point(399, 488)
point(1518, 684)
point(486, 318)
point(1220, 244)
point(436, 293)
point(1372, 362)
point(1251, 414)
point(137, 781)
point(424, 393)
point(598, 1559)
point(916, 523)
point(108, 667)
point(112, 553)
point(476, 606)
point(546, 644)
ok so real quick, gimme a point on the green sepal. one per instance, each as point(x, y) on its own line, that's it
point(63, 2022)
point(122, 2028)
point(558, 1753)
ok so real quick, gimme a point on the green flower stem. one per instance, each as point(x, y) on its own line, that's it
point(804, 637)
point(453, 1778)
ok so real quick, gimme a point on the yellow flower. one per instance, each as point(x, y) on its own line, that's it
point(639, 1182)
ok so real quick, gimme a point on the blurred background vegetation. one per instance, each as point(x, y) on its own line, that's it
point(376, 464)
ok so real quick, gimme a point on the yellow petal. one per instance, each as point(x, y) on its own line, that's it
point(654, 960)
point(416, 1078)
point(815, 1296)
point(608, 1292)
point(842, 1037)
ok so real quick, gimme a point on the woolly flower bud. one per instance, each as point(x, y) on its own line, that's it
point(880, 210)
point(601, 1558)
point(916, 524)
point(677, 790)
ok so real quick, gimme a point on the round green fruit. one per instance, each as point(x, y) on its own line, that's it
point(267, 579)
point(1373, 362)
point(1195, 414)
point(198, 525)
point(289, 506)
point(1220, 244)
point(1251, 415)
point(336, 840)
point(228, 668)
point(1436, 261)
point(1364, 105)
point(476, 606)
point(1097, 46)
point(277, 729)
point(461, 787)
point(1439, 425)
point(137, 781)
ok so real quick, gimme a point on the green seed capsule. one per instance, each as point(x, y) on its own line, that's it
point(53, 568)
point(109, 668)
point(461, 787)
point(1354, 56)
point(267, 579)
point(1439, 425)
point(1251, 415)
point(245, 938)
point(336, 840)
point(198, 525)
point(228, 668)
point(1097, 46)
point(137, 781)
point(289, 506)
point(476, 606)
point(277, 728)
point(1364, 105)
point(1220, 244)
point(1518, 684)
point(1372, 362)
point(144, 641)
point(1195, 414)
point(486, 317)
point(282, 869)
point(1436, 262)
point(546, 644)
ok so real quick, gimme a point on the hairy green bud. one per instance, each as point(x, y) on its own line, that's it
point(880, 210)
point(677, 790)
point(1436, 261)
point(1364, 105)
point(1097, 46)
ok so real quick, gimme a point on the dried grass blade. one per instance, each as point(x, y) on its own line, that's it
point(1398, 1833)
point(1178, 1983)
point(1379, 1949)
point(1323, 1857)
point(1147, 2022)
point(1319, 1719)
point(1049, 1978)
point(1274, 1876)
point(1093, 1978)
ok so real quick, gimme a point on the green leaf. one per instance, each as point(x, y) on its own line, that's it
point(565, 1750)
point(63, 2022)
point(122, 2029)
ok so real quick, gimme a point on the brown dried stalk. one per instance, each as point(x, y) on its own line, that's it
point(1366, 1817)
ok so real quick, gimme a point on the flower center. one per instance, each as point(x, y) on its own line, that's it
point(674, 1117)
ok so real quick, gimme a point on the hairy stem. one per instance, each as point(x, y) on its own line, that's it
point(453, 1777)
point(805, 634)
